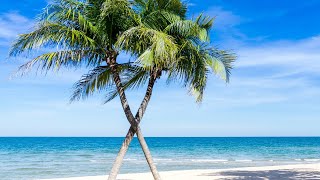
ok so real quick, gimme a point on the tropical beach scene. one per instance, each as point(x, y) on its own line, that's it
point(159, 89)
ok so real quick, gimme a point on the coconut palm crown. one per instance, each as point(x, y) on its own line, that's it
point(164, 41)
point(156, 33)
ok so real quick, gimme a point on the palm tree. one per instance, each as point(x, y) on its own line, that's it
point(189, 57)
point(80, 33)
point(156, 32)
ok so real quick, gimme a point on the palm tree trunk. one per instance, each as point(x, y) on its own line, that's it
point(143, 106)
point(148, 156)
point(122, 152)
point(133, 121)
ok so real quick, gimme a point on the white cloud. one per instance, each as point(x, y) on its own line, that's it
point(189, 4)
point(277, 72)
point(224, 18)
point(226, 27)
point(11, 24)
point(292, 57)
point(283, 58)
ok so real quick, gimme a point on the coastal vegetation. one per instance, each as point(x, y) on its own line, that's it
point(162, 41)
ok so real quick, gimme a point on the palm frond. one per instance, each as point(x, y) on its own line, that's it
point(187, 29)
point(97, 79)
point(71, 13)
point(147, 7)
point(101, 78)
point(221, 62)
point(194, 66)
point(133, 78)
point(205, 22)
point(51, 35)
point(116, 17)
point(65, 58)
point(155, 48)
point(114, 6)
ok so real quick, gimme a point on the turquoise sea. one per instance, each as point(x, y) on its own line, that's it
point(35, 158)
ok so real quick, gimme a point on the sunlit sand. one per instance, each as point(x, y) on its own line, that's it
point(301, 171)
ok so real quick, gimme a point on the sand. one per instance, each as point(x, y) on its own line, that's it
point(283, 172)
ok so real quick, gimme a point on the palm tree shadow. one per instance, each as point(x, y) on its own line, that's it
point(271, 175)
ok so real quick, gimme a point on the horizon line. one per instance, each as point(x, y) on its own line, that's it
point(161, 137)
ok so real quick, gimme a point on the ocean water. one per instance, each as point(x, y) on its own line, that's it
point(36, 158)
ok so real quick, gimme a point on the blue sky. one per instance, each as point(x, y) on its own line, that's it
point(274, 88)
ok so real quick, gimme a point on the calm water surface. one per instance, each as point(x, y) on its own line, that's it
point(35, 158)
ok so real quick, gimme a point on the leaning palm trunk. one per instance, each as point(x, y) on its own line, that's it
point(153, 76)
point(122, 152)
point(133, 121)
point(124, 148)
point(147, 155)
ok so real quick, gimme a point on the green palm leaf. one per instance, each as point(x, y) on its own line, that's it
point(154, 48)
point(51, 35)
point(67, 58)
point(97, 79)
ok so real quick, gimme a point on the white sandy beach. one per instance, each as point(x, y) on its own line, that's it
point(300, 171)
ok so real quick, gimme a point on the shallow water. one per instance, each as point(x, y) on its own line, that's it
point(34, 158)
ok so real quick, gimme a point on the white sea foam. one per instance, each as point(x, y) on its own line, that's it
point(209, 160)
point(129, 159)
point(312, 160)
point(243, 160)
point(162, 159)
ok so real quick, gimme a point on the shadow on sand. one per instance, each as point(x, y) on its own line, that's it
point(270, 175)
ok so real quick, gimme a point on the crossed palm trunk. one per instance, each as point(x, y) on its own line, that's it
point(134, 121)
